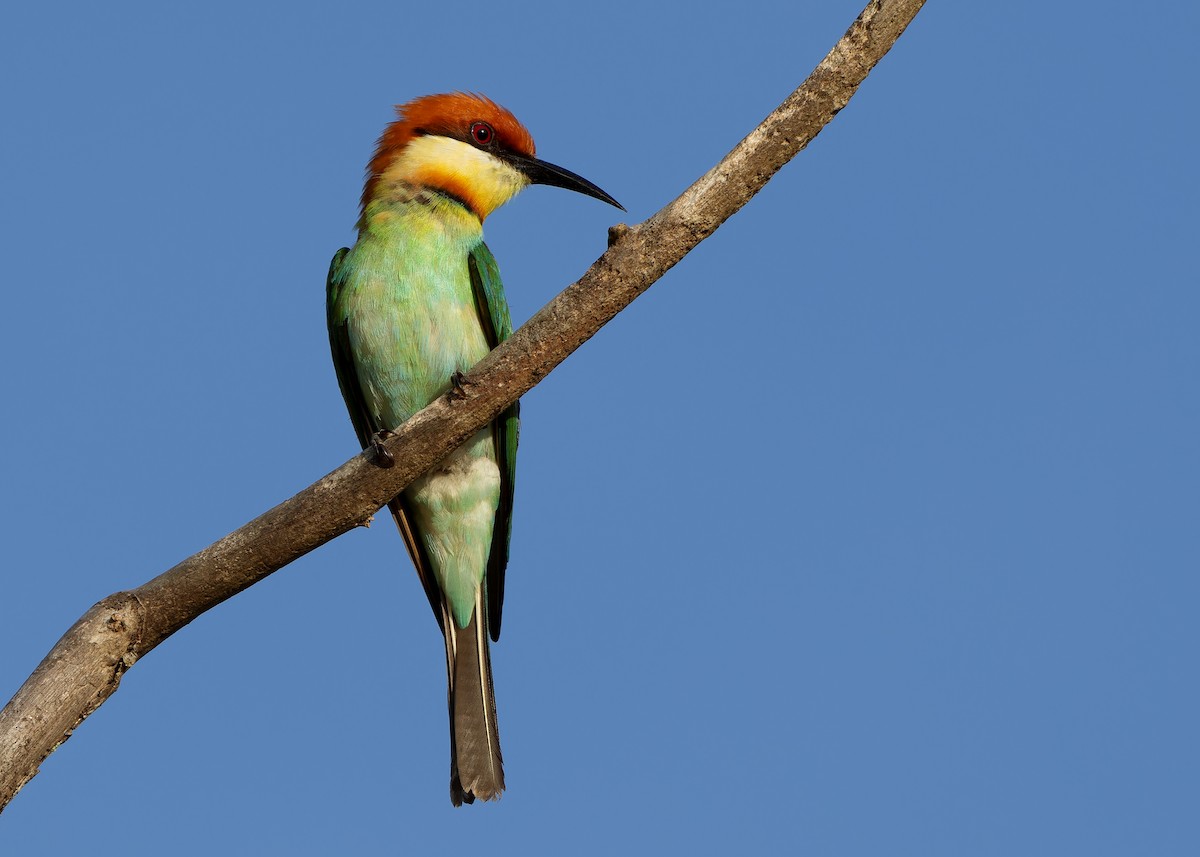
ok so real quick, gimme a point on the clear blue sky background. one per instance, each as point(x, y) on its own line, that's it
point(870, 529)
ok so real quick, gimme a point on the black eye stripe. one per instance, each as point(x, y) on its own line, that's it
point(487, 138)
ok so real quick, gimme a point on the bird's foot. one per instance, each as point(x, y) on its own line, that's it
point(458, 385)
point(377, 453)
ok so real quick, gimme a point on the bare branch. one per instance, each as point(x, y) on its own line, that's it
point(84, 668)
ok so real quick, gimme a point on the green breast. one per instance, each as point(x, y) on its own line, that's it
point(412, 315)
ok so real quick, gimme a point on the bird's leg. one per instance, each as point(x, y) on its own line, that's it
point(459, 384)
point(377, 453)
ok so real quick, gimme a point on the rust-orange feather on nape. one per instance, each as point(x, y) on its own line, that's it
point(448, 115)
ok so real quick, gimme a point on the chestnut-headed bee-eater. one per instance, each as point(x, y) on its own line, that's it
point(414, 302)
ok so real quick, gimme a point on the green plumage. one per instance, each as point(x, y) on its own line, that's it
point(493, 311)
point(417, 299)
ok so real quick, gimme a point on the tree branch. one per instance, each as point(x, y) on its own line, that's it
point(85, 667)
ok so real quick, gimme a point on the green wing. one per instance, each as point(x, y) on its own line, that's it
point(343, 358)
point(497, 327)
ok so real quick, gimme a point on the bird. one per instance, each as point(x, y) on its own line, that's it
point(413, 304)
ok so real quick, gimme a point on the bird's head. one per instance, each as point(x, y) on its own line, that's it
point(465, 146)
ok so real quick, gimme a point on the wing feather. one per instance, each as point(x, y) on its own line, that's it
point(497, 326)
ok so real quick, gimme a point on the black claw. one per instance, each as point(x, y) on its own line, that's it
point(377, 453)
point(458, 385)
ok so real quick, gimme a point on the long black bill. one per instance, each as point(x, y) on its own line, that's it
point(543, 172)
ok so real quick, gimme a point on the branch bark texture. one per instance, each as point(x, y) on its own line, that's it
point(85, 667)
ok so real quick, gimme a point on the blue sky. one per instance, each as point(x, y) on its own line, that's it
point(871, 528)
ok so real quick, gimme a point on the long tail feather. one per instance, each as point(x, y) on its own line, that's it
point(476, 767)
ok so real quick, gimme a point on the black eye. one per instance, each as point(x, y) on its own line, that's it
point(482, 133)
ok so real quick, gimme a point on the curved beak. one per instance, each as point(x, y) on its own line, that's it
point(543, 172)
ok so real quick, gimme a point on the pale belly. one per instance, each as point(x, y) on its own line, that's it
point(454, 507)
